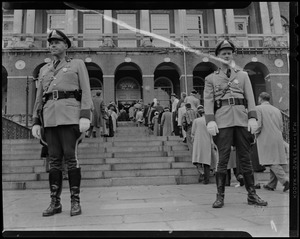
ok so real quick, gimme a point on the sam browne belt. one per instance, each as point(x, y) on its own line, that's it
point(57, 95)
point(230, 101)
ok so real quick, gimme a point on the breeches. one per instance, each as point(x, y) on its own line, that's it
point(61, 142)
point(240, 137)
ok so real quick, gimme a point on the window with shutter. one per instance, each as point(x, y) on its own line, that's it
point(160, 25)
point(92, 29)
point(129, 19)
point(194, 26)
point(56, 21)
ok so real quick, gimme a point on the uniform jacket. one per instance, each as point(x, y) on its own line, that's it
point(195, 102)
point(98, 112)
point(69, 75)
point(202, 145)
point(167, 123)
point(270, 143)
point(227, 115)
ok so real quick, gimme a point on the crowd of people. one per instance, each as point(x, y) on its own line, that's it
point(220, 134)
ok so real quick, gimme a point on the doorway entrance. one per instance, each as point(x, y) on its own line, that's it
point(128, 91)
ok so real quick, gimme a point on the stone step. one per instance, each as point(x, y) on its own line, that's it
point(133, 149)
point(140, 160)
point(126, 124)
point(140, 154)
point(126, 179)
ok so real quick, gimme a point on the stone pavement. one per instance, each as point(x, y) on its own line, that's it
point(167, 208)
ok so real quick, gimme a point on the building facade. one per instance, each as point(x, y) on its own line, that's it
point(129, 65)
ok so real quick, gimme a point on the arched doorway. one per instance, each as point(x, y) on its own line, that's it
point(202, 70)
point(4, 90)
point(128, 84)
point(166, 81)
point(163, 88)
point(96, 77)
point(258, 74)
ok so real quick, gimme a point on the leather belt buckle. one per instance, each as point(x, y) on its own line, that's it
point(231, 101)
point(55, 95)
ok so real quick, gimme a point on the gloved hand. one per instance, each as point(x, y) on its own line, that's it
point(252, 125)
point(212, 128)
point(36, 131)
point(84, 124)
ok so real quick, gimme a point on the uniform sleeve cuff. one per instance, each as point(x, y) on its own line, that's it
point(36, 121)
point(252, 114)
point(85, 114)
point(209, 118)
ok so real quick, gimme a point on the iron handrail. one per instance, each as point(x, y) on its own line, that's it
point(13, 130)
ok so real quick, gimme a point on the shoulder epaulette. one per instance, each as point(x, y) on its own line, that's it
point(217, 71)
point(68, 59)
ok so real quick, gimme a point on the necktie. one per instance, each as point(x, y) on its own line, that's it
point(56, 64)
point(228, 73)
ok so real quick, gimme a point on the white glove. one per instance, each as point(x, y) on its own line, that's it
point(252, 125)
point(36, 131)
point(84, 124)
point(212, 128)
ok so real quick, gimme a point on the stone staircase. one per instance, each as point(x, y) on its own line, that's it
point(131, 157)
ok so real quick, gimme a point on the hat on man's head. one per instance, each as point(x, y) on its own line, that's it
point(59, 35)
point(173, 94)
point(200, 107)
point(166, 108)
point(188, 105)
point(194, 92)
point(225, 44)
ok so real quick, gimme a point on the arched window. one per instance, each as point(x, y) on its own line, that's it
point(164, 83)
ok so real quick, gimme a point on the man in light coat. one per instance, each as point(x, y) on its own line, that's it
point(270, 143)
point(63, 107)
point(167, 122)
point(193, 100)
point(230, 114)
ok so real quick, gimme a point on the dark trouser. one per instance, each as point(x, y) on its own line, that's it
point(175, 124)
point(241, 138)
point(61, 142)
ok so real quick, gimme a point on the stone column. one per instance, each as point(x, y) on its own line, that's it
point(108, 88)
point(219, 21)
point(30, 26)
point(210, 26)
point(145, 25)
point(276, 18)
point(17, 29)
point(72, 25)
point(265, 18)
point(108, 29)
point(148, 88)
point(230, 21)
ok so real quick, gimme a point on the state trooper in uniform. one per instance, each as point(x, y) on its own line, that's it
point(230, 114)
point(61, 115)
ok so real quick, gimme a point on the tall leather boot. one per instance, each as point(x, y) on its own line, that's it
point(74, 182)
point(220, 180)
point(206, 173)
point(55, 183)
point(253, 198)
